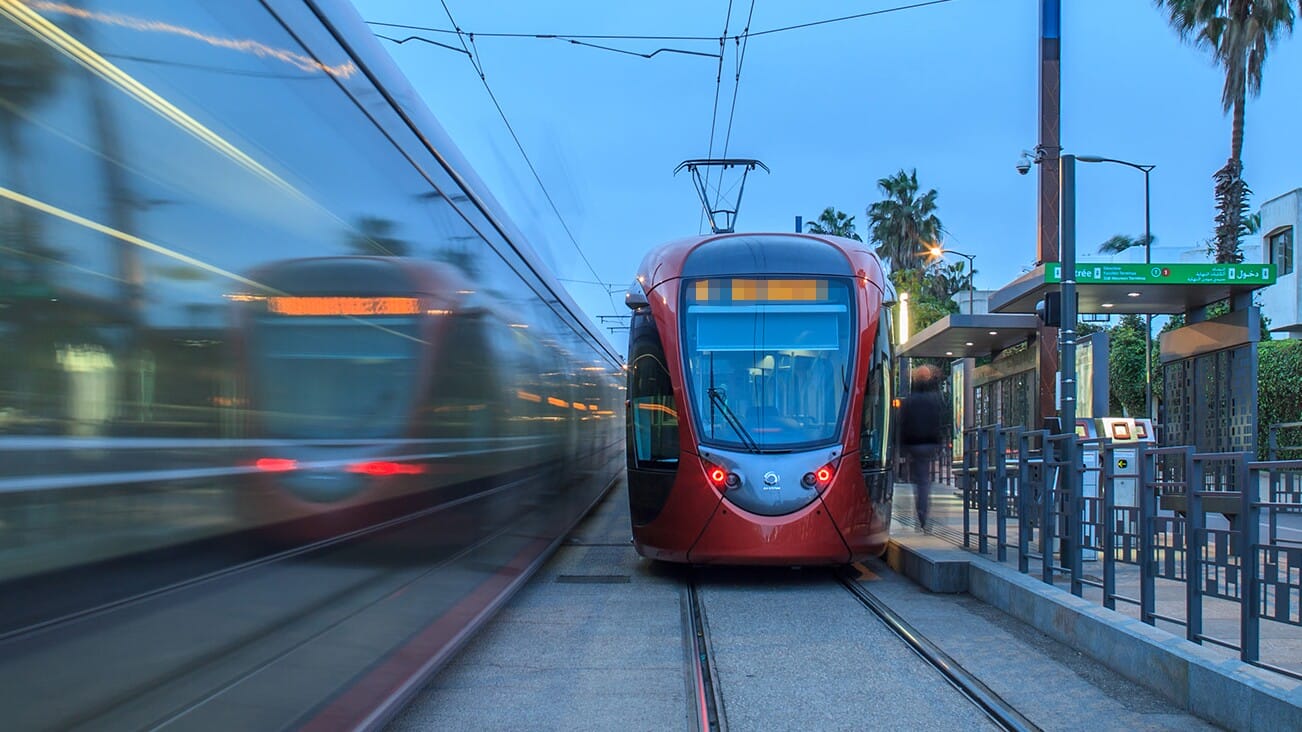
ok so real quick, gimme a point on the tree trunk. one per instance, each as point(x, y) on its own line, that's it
point(1236, 130)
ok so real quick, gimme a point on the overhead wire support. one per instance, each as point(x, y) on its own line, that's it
point(729, 215)
point(635, 53)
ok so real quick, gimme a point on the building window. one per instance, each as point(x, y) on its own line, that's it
point(1280, 246)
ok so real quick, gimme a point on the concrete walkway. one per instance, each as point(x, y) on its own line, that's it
point(1281, 644)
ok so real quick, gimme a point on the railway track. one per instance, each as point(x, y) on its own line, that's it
point(704, 701)
point(995, 707)
point(708, 690)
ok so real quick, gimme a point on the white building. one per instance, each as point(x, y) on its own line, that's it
point(1276, 243)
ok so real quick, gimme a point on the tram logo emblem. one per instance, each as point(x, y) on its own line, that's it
point(771, 478)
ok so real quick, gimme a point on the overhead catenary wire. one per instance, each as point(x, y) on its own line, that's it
point(479, 69)
point(736, 84)
point(741, 40)
point(639, 37)
point(714, 114)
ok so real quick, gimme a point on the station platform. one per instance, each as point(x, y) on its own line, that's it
point(1281, 645)
point(600, 639)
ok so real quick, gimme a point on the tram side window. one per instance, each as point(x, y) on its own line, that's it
point(876, 437)
point(653, 413)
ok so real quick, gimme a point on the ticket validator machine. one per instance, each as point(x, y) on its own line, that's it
point(1128, 437)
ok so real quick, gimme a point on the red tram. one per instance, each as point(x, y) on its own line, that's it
point(379, 386)
point(759, 406)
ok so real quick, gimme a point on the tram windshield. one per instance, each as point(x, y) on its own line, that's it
point(768, 360)
point(333, 377)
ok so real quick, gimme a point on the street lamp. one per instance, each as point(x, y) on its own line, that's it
point(937, 251)
point(1148, 259)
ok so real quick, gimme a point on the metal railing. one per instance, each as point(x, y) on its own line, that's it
point(1287, 432)
point(1152, 519)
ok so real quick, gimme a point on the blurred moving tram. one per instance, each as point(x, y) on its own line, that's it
point(250, 289)
point(759, 416)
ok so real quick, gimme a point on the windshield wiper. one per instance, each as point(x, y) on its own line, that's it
point(716, 398)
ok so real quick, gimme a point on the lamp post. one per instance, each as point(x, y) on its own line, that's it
point(936, 252)
point(1148, 259)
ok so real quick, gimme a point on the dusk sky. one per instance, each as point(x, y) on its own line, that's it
point(949, 89)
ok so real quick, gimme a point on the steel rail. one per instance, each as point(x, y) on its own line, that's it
point(706, 709)
point(1000, 711)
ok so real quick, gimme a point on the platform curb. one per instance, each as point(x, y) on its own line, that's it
point(1226, 692)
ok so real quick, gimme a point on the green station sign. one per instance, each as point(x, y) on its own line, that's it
point(1138, 273)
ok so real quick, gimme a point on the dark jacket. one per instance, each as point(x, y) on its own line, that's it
point(921, 420)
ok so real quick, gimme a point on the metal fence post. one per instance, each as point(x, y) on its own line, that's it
point(1147, 510)
point(1048, 527)
point(969, 460)
point(1193, 567)
point(1107, 524)
point(1023, 502)
point(1000, 479)
point(1075, 507)
point(1250, 589)
point(983, 488)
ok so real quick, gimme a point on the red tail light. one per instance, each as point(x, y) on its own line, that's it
point(382, 467)
point(824, 474)
point(276, 465)
point(717, 475)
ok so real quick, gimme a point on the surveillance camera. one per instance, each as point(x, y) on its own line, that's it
point(1023, 166)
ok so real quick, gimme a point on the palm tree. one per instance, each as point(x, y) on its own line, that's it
point(903, 223)
point(833, 223)
point(1238, 32)
point(1121, 242)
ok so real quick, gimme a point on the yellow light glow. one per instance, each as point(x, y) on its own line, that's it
point(343, 305)
point(760, 290)
point(254, 48)
point(788, 290)
point(69, 216)
point(529, 396)
point(904, 317)
point(557, 402)
point(42, 28)
point(580, 407)
point(650, 407)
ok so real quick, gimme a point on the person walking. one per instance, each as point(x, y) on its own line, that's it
point(921, 432)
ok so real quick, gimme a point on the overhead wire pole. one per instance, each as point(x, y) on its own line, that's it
point(1047, 152)
point(478, 64)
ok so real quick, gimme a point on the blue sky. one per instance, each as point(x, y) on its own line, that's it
point(950, 90)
